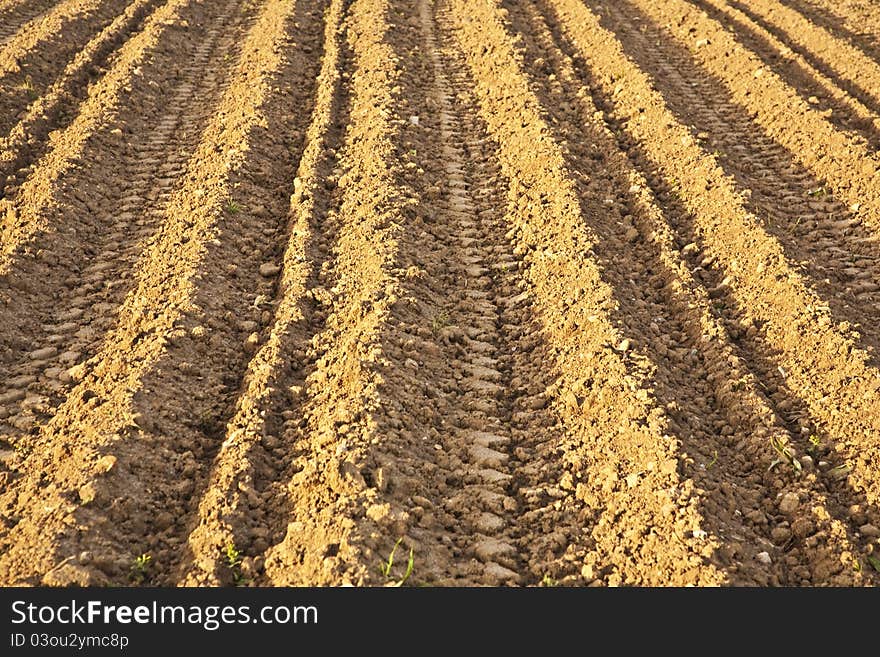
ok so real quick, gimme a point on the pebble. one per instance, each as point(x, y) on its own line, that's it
point(269, 269)
point(248, 325)
point(869, 530)
point(780, 535)
point(252, 342)
point(495, 574)
point(764, 558)
point(624, 345)
point(87, 493)
point(789, 503)
point(489, 523)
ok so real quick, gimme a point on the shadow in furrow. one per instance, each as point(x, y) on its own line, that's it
point(836, 254)
point(801, 78)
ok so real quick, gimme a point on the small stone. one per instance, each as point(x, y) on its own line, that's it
point(105, 463)
point(780, 535)
point(789, 503)
point(248, 325)
point(88, 493)
point(489, 523)
point(252, 343)
point(495, 574)
point(869, 530)
point(422, 501)
point(764, 558)
point(624, 345)
point(803, 527)
point(631, 235)
point(269, 269)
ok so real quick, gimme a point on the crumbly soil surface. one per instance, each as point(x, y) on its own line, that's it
point(540, 293)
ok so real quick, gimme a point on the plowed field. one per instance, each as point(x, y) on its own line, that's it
point(550, 292)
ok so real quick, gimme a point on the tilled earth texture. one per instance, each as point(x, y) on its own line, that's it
point(440, 292)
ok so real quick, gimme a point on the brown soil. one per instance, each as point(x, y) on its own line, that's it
point(540, 293)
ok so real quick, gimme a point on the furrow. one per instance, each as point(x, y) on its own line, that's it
point(25, 214)
point(818, 362)
point(442, 474)
point(24, 139)
point(40, 66)
point(604, 397)
point(855, 21)
point(103, 487)
point(855, 71)
point(42, 28)
point(826, 240)
point(15, 13)
point(58, 304)
point(251, 458)
point(814, 83)
point(845, 163)
point(478, 438)
point(326, 493)
point(727, 423)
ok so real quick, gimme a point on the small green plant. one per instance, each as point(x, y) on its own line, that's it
point(819, 192)
point(386, 566)
point(140, 568)
point(875, 563)
point(27, 85)
point(233, 562)
point(233, 207)
point(713, 461)
point(549, 581)
point(786, 455)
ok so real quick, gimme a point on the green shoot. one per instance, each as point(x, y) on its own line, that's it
point(139, 568)
point(385, 567)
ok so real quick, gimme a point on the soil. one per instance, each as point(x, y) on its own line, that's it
point(542, 293)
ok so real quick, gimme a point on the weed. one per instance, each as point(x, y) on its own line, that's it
point(386, 566)
point(875, 563)
point(233, 562)
point(233, 207)
point(819, 192)
point(549, 581)
point(139, 568)
point(714, 460)
point(786, 455)
point(27, 85)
